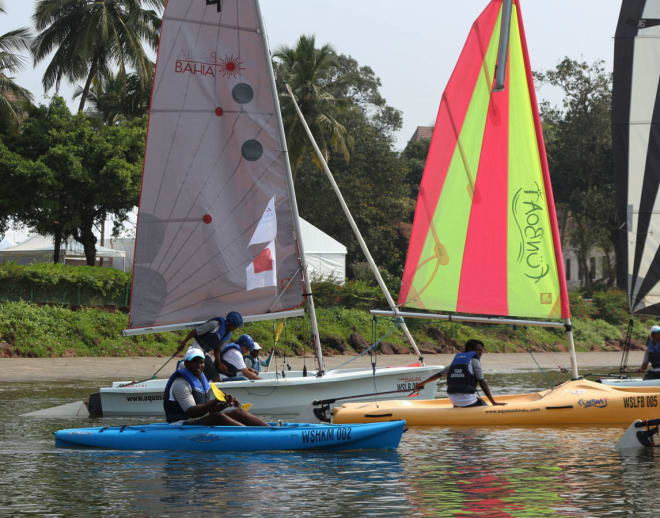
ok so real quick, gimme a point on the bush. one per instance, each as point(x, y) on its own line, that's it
point(64, 284)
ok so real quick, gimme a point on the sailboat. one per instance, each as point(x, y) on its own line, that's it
point(485, 242)
point(636, 146)
point(218, 227)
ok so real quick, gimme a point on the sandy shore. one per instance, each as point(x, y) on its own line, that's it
point(59, 369)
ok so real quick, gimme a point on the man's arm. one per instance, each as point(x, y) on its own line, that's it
point(486, 389)
point(645, 361)
point(420, 386)
point(250, 374)
point(183, 342)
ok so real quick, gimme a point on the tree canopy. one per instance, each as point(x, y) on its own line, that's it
point(69, 172)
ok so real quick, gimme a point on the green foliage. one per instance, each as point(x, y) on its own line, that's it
point(611, 306)
point(354, 294)
point(73, 285)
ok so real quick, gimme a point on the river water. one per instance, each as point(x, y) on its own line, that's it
point(466, 472)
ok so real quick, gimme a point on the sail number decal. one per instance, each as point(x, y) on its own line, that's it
point(326, 435)
point(217, 3)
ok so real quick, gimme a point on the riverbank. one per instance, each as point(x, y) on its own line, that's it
point(137, 368)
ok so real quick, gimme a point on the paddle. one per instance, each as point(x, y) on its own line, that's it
point(154, 375)
point(266, 362)
point(220, 395)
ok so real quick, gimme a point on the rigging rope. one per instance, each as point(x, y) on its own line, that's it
point(374, 344)
point(526, 340)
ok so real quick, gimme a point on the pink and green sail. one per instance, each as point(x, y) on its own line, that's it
point(485, 238)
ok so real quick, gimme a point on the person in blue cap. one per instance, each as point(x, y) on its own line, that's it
point(187, 400)
point(210, 337)
point(233, 361)
point(652, 355)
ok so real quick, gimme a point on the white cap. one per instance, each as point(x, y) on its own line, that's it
point(192, 353)
point(655, 329)
point(257, 347)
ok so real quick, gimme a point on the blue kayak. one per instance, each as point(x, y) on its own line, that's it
point(287, 436)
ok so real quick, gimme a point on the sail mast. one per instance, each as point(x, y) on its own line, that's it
point(294, 206)
point(356, 230)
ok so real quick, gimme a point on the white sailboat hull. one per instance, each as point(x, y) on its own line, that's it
point(630, 382)
point(288, 397)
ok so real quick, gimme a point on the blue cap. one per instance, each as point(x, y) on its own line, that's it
point(245, 341)
point(235, 318)
point(192, 353)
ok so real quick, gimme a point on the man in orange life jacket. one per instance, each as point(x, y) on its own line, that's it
point(186, 398)
point(462, 377)
point(652, 355)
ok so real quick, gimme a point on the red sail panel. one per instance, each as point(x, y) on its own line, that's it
point(451, 114)
point(483, 285)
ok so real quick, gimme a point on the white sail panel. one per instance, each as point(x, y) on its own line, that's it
point(215, 158)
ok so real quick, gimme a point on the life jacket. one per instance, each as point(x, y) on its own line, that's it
point(213, 339)
point(253, 363)
point(459, 378)
point(199, 386)
point(232, 371)
point(654, 354)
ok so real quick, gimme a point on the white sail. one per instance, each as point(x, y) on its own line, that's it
point(215, 159)
point(636, 137)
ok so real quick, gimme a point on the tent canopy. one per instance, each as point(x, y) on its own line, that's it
point(40, 246)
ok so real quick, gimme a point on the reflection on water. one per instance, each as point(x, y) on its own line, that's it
point(462, 472)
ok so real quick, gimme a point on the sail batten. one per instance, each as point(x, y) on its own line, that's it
point(485, 237)
point(215, 161)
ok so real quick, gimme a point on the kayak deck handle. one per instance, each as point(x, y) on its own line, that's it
point(377, 415)
point(558, 407)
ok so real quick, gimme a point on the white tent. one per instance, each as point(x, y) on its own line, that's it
point(39, 249)
point(326, 257)
point(6, 243)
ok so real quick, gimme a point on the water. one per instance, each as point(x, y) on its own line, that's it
point(495, 472)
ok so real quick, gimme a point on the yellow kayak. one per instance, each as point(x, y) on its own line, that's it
point(572, 402)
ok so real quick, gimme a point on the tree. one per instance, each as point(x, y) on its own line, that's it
point(13, 98)
point(88, 37)
point(308, 71)
point(579, 147)
point(81, 171)
point(118, 97)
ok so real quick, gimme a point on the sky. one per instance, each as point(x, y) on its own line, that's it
point(412, 45)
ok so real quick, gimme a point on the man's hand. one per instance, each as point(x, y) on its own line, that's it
point(498, 404)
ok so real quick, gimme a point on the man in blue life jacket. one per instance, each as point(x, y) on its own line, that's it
point(233, 361)
point(652, 355)
point(252, 360)
point(186, 398)
point(211, 336)
point(463, 375)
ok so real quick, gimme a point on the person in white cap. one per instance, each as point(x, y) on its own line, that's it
point(187, 400)
point(652, 355)
point(252, 359)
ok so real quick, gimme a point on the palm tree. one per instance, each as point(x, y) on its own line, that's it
point(90, 36)
point(13, 98)
point(118, 97)
point(309, 72)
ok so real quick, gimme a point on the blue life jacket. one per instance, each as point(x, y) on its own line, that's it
point(232, 371)
point(253, 363)
point(214, 339)
point(654, 354)
point(459, 378)
point(199, 386)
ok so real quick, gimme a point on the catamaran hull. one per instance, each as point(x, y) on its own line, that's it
point(630, 382)
point(289, 396)
point(289, 436)
point(573, 402)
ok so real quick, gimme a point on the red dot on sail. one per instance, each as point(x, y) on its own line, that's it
point(230, 66)
point(219, 112)
point(207, 218)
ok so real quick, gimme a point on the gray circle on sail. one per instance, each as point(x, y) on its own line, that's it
point(242, 93)
point(252, 150)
